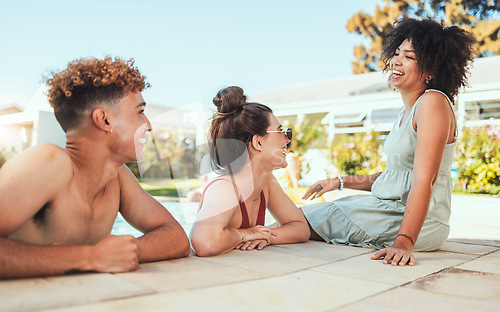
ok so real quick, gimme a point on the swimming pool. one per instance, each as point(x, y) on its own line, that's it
point(183, 212)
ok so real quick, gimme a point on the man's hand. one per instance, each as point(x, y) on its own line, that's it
point(115, 254)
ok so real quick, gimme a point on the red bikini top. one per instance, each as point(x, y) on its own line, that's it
point(245, 221)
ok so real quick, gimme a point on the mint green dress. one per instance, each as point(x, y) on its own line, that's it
point(373, 220)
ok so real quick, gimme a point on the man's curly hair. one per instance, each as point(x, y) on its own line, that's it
point(444, 52)
point(89, 82)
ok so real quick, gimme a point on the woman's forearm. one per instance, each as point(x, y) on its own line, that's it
point(360, 182)
point(415, 213)
point(227, 239)
point(292, 232)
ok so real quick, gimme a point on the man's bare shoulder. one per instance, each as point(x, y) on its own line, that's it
point(125, 176)
point(29, 181)
point(43, 160)
point(128, 184)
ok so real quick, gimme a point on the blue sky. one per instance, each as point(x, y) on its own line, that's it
point(187, 49)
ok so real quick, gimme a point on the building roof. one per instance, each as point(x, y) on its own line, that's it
point(484, 70)
point(10, 109)
point(187, 117)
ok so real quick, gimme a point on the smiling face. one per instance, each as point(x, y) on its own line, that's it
point(130, 126)
point(406, 75)
point(274, 144)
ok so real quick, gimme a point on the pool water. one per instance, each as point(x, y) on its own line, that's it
point(183, 212)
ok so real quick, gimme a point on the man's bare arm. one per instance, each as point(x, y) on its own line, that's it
point(164, 237)
point(112, 254)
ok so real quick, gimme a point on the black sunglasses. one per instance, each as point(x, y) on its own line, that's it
point(287, 133)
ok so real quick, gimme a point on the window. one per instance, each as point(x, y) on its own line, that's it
point(483, 110)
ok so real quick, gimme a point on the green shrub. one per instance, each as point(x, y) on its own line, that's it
point(171, 154)
point(357, 154)
point(306, 135)
point(5, 155)
point(478, 159)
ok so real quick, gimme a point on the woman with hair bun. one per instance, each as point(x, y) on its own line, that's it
point(247, 144)
point(410, 204)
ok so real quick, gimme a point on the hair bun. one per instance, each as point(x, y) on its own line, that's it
point(229, 100)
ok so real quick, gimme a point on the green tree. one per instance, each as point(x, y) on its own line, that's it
point(479, 17)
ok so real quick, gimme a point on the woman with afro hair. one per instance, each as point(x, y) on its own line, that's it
point(410, 202)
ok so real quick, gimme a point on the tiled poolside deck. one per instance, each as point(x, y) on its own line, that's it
point(463, 276)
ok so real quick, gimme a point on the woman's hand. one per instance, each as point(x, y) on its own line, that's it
point(396, 255)
point(321, 187)
point(256, 237)
point(258, 232)
point(258, 244)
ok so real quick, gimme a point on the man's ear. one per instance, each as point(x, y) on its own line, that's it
point(100, 119)
point(257, 143)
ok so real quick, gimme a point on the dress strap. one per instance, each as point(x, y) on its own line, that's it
point(397, 124)
point(449, 102)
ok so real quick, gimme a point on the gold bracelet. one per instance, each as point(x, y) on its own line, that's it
point(241, 235)
point(407, 236)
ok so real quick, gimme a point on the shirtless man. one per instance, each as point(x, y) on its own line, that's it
point(57, 206)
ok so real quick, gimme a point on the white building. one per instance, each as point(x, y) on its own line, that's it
point(361, 103)
point(21, 129)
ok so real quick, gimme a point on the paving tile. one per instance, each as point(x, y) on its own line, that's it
point(41, 293)
point(299, 277)
point(482, 242)
point(149, 303)
point(462, 283)
point(467, 248)
point(363, 267)
point(266, 261)
point(189, 273)
point(405, 299)
point(301, 291)
point(319, 250)
point(475, 217)
point(489, 263)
